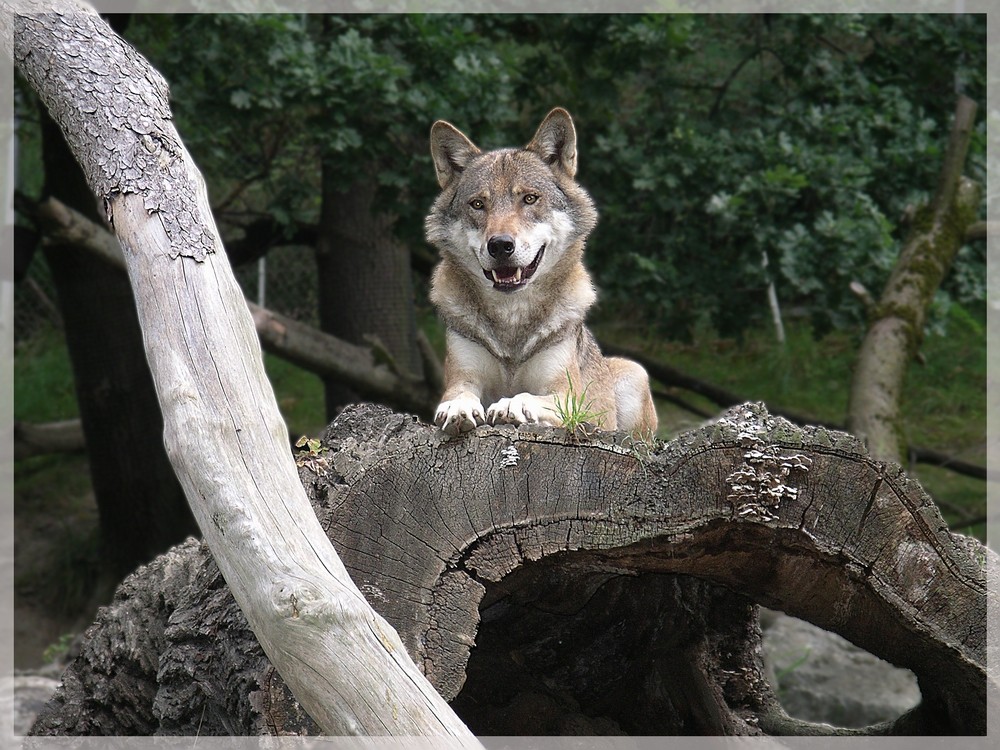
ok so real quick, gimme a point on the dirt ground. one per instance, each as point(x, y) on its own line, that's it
point(57, 573)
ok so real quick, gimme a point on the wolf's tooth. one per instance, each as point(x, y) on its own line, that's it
point(517, 275)
point(495, 277)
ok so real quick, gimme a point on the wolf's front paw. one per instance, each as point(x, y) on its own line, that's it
point(459, 415)
point(521, 409)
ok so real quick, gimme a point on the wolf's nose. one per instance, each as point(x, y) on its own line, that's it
point(500, 246)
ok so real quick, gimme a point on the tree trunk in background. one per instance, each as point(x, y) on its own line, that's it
point(365, 286)
point(896, 328)
point(141, 505)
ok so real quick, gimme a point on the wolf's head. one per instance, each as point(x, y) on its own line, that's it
point(506, 216)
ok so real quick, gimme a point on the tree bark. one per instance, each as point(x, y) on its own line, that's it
point(897, 324)
point(547, 585)
point(365, 285)
point(222, 428)
point(141, 507)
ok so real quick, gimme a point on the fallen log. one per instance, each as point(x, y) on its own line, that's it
point(299, 343)
point(39, 439)
point(553, 583)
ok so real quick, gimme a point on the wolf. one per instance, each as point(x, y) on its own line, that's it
point(511, 288)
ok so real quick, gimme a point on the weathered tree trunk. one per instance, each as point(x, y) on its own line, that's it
point(548, 585)
point(222, 428)
point(141, 507)
point(365, 285)
point(896, 328)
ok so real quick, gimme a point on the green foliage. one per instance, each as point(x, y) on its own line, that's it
point(54, 500)
point(57, 651)
point(312, 446)
point(299, 394)
point(813, 148)
point(811, 374)
point(939, 415)
point(356, 94)
point(43, 379)
point(710, 142)
point(311, 454)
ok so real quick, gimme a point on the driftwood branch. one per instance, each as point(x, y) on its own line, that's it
point(545, 584)
point(222, 428)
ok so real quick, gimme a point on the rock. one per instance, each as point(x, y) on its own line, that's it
point(822, 677)
point(30, 692)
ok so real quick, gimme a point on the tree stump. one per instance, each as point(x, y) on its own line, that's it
point(549, 583)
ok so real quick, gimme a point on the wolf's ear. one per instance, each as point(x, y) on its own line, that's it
point(451, 151)
point(555, 141)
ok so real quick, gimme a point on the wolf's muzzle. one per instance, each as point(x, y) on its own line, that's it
point(500, 246)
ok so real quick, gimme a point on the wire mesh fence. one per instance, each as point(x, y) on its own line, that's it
point(35, 307)
point(284, 281)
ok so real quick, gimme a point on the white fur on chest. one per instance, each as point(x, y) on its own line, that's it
point(534, 375)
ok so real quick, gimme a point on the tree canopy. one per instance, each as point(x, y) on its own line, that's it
point(708, 142)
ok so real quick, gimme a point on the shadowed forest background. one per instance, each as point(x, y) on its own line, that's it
point(726, 154)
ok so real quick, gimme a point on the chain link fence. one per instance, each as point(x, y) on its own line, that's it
point(35, 307)
point(284, 281)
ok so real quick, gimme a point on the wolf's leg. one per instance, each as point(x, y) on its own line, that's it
point(469, 369)
point(633, 401)
point(524, 408)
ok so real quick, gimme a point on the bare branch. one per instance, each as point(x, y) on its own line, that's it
point(301, 344)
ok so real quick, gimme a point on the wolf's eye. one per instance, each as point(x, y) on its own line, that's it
point(530, 198)
point(477, 204)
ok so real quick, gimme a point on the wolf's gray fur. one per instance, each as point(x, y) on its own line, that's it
point(512, 289)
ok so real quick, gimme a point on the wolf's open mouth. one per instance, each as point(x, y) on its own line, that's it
point(513, 277)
